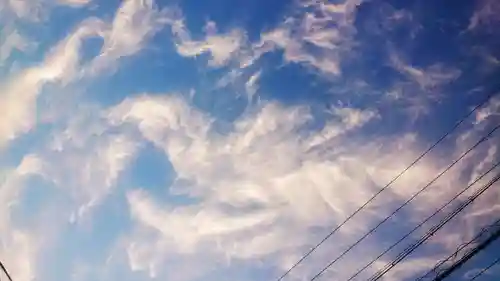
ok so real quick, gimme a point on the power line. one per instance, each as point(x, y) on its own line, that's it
point(5, 270)
point(436, 269)
point(433, 231)
point(405, 203)
point(424, 221)
point(308, 253)
point(468, 256)
point(484, 270)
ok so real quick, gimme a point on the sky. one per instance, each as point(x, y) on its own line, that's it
point(186, 140)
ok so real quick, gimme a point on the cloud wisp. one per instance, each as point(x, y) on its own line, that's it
point(243, 195)
point(247, 196)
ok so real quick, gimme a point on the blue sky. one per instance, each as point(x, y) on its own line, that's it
point(218, 140)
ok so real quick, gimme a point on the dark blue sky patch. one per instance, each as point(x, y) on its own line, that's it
point(223, 104)
point(252, 16)
point(91, 48)
point(456, 104)
point(292, 83)
point(158, 71)
point(151, 170)
point(441, 22)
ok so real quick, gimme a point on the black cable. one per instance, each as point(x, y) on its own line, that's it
point(5, 270)
point(469, 255)
point(454, 255)
point(433, 230)
point(485, 269)
point(425, 221)
point(405, 203)
point(308, 253)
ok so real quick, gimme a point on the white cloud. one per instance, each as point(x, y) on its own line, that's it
point(33, 10)
point(75, 3)
point(26, 10)
point(485, 15)
point(271, 176)
point(20, 92)
point(490, 110)
point(221, 47)
point(11, 40)
point(422, 85)
point(429, 78)
point(257, 196)
point(18, 245)
point(135, 22)
point(86, 160)
point(317, 38)
point(251, 85)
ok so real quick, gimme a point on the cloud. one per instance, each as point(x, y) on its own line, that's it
point(485, 15)
point(20, 92)
point(18, 9)
point(34, 10)
point(75, 173)
point(16, 242)
point(429, 78)
point(246, 197)
point(74, 3)
point(135, 22)
point(221, 47)
point(12, 40)
point(492, 109)
point(421, 85)
point(86, 160)
point(316, 38)
point(251, 85)
point(246, 200)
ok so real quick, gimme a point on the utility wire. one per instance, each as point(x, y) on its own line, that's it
point(436, 269)
point(432, 231)
point(483, 139)
point(5, 270)
point(484, 270)
point(425, 221)
point(468, 256)
point(462, 120)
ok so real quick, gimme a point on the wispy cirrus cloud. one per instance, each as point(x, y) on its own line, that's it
point(62, 65)
point(317, 37)
point(251, 86)
point(429, 78)
point(88, 164)
point(421, 86)
point(135, 22)
point(33, 10)
point(245, 197)
point(75, 3)
point(221, 47)
point(13, 184)
point(20, 91)
point(485, 15)
point(12, 40)
point(13, 9)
